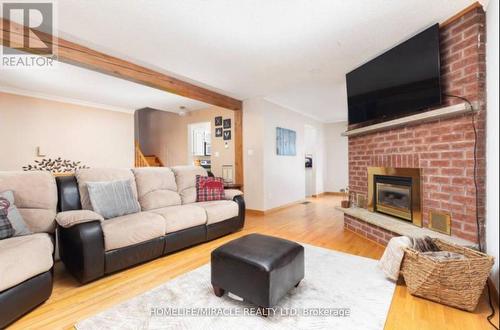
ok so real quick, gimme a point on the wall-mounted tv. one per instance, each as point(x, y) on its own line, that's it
point(401, 81)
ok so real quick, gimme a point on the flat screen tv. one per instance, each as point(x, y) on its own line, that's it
point(401, 81)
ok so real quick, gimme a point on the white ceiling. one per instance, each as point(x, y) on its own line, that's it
point(68, 83)
point(292, 52)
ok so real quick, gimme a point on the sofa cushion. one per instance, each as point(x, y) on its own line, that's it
point(132, 229)
point(23, 257)
point(35, 195)
point(218, 211)
point(113, 199)
point(68, 219)
point(181, 217)
point(100, 175)
point(156, 187)
point(185, 177)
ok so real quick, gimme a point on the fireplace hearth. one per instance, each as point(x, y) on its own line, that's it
point(395, 192)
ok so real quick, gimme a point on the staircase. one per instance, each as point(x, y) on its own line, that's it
point(153, 161)
point(145, 161)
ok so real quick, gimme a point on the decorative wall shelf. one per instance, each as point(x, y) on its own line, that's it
point(444, 112)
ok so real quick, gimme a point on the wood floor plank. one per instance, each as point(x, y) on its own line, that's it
point(317, 223)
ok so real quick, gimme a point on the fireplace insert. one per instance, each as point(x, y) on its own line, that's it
point(393, 196)
point(396, 192)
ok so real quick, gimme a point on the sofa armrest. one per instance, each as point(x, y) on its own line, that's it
point(231, 193)
point(81, 248)
point(70, 218)
point(241, 208)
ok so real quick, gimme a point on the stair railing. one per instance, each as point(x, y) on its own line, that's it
point(140, 159)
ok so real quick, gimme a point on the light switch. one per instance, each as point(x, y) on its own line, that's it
point(250, 152)
point(216, 154)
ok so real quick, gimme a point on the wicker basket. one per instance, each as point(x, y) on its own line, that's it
point(457, 283)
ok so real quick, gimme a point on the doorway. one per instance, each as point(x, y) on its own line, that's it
point(200, 144)
point(310, 144)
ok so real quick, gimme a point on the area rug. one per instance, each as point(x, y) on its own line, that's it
point(339, 291)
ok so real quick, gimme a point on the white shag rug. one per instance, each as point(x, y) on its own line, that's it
point(349, 291)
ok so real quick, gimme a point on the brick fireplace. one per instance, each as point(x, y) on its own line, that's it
point(442, 150)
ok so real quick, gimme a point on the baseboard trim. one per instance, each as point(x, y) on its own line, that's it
point(254, 212)
point(274, 209)
point(328, 193)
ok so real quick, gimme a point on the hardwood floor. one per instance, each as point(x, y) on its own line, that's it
point(316, 223)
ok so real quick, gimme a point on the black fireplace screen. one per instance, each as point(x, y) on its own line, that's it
point(393, 195)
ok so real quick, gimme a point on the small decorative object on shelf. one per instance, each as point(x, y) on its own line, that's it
point(345, 203)
point(55, 166)
point(361, 201)
point(227, 173)
point(352, 198)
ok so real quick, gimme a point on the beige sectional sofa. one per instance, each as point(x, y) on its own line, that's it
point(26, 261)
point(170, 219)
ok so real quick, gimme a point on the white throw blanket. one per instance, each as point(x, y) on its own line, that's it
point(391, 260)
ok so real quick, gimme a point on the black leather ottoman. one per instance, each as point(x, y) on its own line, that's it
point(260, 269)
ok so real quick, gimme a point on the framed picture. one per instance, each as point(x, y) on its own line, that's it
point(218, 132)
point(218, 121)
point(285, 142)
point(227, 135)
point(227, 123)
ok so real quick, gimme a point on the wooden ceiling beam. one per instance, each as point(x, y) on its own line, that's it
point(75, 54)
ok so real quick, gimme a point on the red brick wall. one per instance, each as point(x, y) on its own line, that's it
point(374, 233)
point(443, 149)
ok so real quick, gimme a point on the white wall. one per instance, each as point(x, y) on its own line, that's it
point(310, 144)
point(96, 137)
point(271, 180)
point(492, 154)
point(337, 163)
point(253, 155)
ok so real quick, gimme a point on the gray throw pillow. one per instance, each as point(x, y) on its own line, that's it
point(15, 218)
point(112, 199)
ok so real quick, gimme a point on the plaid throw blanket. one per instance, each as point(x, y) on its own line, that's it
point(6, 229)
point(209, 189)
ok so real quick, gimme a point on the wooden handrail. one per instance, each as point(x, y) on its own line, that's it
point(140, 160)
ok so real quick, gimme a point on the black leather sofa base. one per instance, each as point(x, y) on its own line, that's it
point(18, 300)
point(129, 256)
point(81, 247)
point(185, 238)
point(222, 228)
